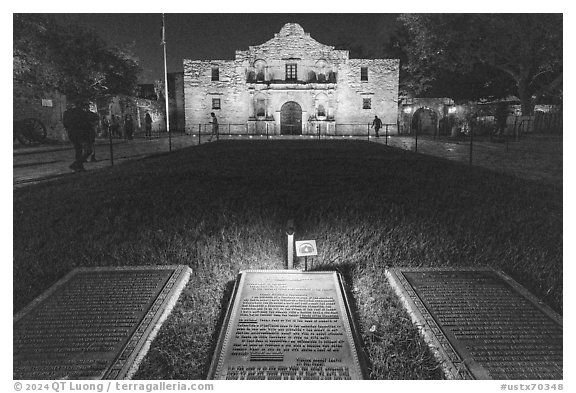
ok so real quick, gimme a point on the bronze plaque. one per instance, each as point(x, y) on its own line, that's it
point(285, 324)
point(95, 323)
point(481, 323)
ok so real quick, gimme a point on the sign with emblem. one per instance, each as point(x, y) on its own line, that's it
point(306, 248)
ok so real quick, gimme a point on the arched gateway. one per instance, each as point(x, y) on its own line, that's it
point(425, 120)
point(291, 119)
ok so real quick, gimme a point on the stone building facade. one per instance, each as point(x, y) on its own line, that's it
point(48, 107)
point(291, 84)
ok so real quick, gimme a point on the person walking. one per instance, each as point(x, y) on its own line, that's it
point(128, 127)
point(377, 124)
point(105, 127)
point(214, 122)
point(115, 126)
point(78, 123)
point(148, 120)
point(501, 117)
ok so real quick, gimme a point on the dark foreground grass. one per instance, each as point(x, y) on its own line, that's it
point(222, 207)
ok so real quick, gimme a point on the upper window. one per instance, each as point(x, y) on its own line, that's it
point(332, 77)
point(291, 72)
point(363, 73)
point(321, 69)
point(366, 103)
point(260, 69)
point(215, 103)
point(260, 107)
point(215, 73)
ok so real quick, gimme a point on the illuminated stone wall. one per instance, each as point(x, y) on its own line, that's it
point(48, 108)
point(325, 83)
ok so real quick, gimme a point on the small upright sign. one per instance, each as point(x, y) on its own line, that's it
point(306, 248)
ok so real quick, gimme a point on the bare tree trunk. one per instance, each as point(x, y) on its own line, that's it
point(525, 96)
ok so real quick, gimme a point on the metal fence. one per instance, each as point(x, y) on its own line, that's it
point(319, 130)
point(483, 129)
point(473, 147)
point(203, 133)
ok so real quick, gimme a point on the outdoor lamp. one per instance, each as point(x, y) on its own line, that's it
point(290, 233)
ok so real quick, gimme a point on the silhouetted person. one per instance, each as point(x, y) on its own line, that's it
point(78, 122)
point(105, 126)
point(148, 121)
point(377, 124)
point(128, 126)
point(214, 122)
point(115, 126)
point(500, 117)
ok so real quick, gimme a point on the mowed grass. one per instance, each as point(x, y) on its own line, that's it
point(222, 207)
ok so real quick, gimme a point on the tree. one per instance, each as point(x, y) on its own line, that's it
point(159, 89)
point(33, 67)
point(421, 79)
point(71, 60)
point(524, 49)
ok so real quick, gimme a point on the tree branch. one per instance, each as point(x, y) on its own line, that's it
point(503, 67)
point(538, 74)
point(551, 86)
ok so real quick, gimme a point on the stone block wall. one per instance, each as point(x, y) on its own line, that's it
point(381, 88)
point(200, 90)
point(49, 109)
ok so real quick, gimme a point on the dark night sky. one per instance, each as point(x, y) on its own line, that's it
point(217, 36)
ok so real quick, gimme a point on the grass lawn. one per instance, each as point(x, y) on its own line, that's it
point(222, 207)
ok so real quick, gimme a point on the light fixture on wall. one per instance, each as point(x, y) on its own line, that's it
point(408, 109)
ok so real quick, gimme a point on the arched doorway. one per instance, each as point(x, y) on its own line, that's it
point(291, 119)
point(425, 120)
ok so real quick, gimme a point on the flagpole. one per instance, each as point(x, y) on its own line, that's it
point(166, 86)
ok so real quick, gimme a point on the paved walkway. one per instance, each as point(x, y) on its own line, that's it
point(534, 157)
point(33, 164)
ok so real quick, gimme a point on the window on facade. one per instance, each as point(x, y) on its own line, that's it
point(260, 70)
point(215, 103)
point(291, 72)
point(260, 108)
point(321, 111)
point(363, 73)
point(215, 74)
point(321, 70)
point(332, 77)
point(366, 103)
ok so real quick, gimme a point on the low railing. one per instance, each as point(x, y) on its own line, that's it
point(257, 129)
point(472, 147)
point(363, 130)
point(268, 129)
